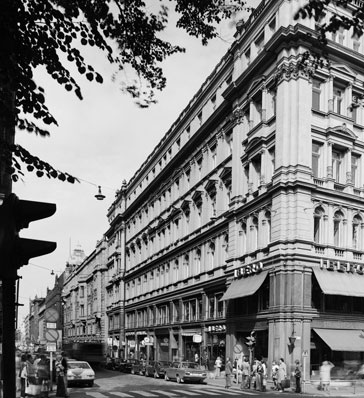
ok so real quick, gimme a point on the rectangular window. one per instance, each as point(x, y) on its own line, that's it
point(316, 95)
point(259, 43)
point(213, 101)
point(272, 25)
point(199, 116)
point(247, 56)
point(316, 159)
point(355, 168)
point(338, 100)
point(337, 158)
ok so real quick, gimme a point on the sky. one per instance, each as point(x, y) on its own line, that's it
point(101, 140)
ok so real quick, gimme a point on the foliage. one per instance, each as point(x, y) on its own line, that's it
point(318, 9)
point(51, 34)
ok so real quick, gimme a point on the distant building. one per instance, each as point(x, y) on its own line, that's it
point(83, 299)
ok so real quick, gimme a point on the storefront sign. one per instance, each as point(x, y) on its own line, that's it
point(197, 338)
point(141, 333)
point(248, 270)
point(131, 343)
point(216, 328)
point(339, 266)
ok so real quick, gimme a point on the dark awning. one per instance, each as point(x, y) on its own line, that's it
point(245, 286)
point(342, 340)
point(340, 283)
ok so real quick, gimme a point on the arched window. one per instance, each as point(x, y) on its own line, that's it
point(211, 255)
point(197, 262)
point(356, 233)
point(242, 234)
point(338, 229)
point(254, 231)
point(318, 224)
point(268, 225)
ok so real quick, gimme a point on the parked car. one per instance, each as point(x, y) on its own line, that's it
point(185, 371)
point(138, 368)
point(112, 363)
point(80, 372)
point(157, 368)
point(126, 366)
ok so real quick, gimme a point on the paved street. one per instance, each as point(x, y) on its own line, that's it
point(111, 384)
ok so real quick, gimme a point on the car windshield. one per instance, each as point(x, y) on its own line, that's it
point(78, 365)
point(189, 365)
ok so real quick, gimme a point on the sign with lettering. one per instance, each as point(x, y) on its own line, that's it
point(341, 266)
point(248, 269)
point(216, 328)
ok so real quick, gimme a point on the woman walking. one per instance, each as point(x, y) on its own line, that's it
point(282, 374)
point(228, 373)
point(61, 388)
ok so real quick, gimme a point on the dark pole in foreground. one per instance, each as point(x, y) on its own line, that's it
point(8, 344)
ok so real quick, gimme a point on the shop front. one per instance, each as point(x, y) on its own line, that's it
point(215, 342)
point(191, 345)
point(337, 335)
point(162, 343)
point(141, 347)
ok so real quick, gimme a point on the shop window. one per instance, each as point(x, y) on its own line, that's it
point(356, 232)
point(318, 224)
point(334, 303)
point(338, 229)
point(316, 296)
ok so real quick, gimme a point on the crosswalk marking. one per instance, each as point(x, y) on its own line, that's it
point(209, 392)
point(166, 393)
point(186, 392)
point(96, 394)
point(144, 393)
point(121, 394)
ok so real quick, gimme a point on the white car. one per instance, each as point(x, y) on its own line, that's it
point(80, 372)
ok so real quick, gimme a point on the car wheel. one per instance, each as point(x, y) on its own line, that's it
point(166, 378)
point(179, 380)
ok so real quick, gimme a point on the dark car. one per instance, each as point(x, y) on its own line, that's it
point(138, 368)
point(126, 366)
point(157, 368)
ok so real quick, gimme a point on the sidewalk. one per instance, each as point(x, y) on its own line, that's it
point(342, 389)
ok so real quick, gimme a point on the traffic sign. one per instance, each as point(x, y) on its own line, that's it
point(51, 325)
point(51, 335)
point(305, 353)
point(52, 347)
point(51, 315)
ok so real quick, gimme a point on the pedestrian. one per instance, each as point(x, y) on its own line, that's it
point(228, 373)
point(259, 376)
point(43, 375)
point(282, 374)
point(264, 376)
point(325, 375)
point(239, 364)
point(218, 364)
point(65, 367)
point(23, 374)
point(275, 368)
point(61, 388)
point(245, 373)
point(297, 375)
point(253, 380)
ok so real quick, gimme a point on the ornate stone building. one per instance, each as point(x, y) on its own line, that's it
point(83, 296)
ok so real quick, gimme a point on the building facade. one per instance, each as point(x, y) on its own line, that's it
point(83, 296)
point(248, 214)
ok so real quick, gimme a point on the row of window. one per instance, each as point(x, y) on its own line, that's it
point(190, 264)
point(190, 310)
point(345, 166)
point(339, 231)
